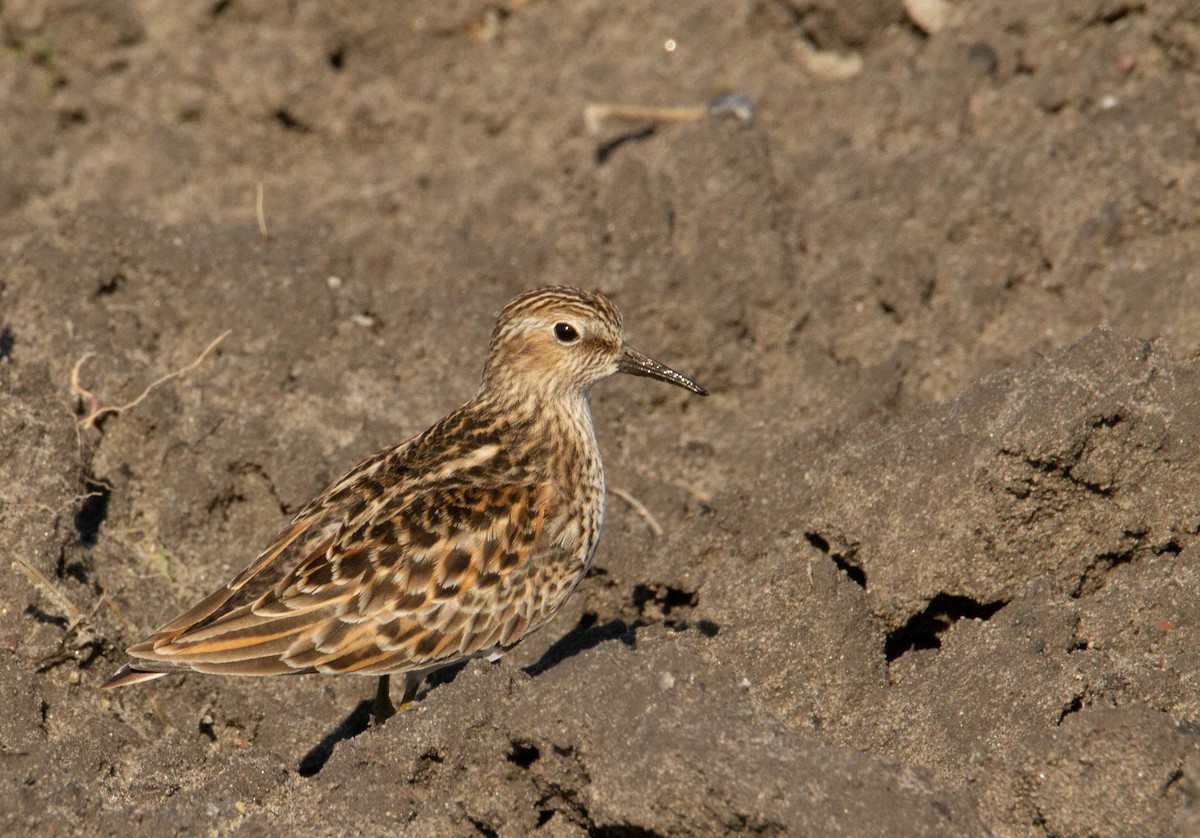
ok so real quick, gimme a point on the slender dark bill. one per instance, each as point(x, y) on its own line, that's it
point(635, 363)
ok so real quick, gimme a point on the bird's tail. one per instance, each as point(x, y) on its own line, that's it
point(127, 676)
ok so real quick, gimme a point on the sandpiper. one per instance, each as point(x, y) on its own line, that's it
point(456, 543)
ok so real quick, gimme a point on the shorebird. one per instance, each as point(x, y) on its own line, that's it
point(456, 543)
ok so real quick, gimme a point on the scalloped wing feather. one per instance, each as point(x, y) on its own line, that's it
point(412, 581)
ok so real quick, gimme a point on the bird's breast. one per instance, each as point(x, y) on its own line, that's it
point(576, 508)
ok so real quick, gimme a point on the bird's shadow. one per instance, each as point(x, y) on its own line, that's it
point(586, 635)
point(355, 723)
point(359, 721)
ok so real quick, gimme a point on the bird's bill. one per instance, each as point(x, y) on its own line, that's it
point(635, 363)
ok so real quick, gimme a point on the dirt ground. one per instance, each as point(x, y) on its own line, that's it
point(926, 561)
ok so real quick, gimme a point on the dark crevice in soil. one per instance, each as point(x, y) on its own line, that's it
point(1079, 643)
point(661, 605)
point(223, 502)
point(1040, 822)
point(7, 342)
point(564, 800)
point(983, 56)
point(706, 627)
point(562, 795)
point(92, 511)
point(1095, 576)
point(71, 117)
point(843, 560)
point(1062, 466)
point(818, 541)
point(1056, 468)
point(888, 310)
point(243, 467)
point(1072, 706)
point(1092, 579)
point(337, 58)
point(924, 629)
point(663, 599)
point(482, 828)
point(1171, 548)
point(622, 830)
point(207, 730)
point(605, 150)
point(111, 285)
point(808, 22)
point(290, 123)
point(1118, 13)
point(523, 754)
point(909, 26)
point(75, 648)
point(426, 768)
point(853, 572)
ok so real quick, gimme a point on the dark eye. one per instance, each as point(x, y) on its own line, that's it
point(565, 332)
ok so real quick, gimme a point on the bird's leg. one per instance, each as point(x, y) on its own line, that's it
point(412, 683)
point(382, 709)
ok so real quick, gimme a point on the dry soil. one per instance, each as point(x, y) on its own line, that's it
point(929, 554)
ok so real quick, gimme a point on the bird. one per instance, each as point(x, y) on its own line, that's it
point(454, 544)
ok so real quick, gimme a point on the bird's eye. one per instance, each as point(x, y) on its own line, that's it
point(565, 333)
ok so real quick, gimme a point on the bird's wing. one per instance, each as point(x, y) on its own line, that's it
point(415, 580)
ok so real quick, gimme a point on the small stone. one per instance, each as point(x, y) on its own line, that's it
point(929, 16)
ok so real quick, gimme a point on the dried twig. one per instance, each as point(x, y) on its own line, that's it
point(735, 104)
point(95, 412)
point(640, 508)
point(78, 634)
point(260, 211)
point(43, 584)
point(87, 396)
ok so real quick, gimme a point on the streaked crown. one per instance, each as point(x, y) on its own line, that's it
point(557, 300)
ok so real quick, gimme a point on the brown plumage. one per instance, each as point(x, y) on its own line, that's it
point(456, 543)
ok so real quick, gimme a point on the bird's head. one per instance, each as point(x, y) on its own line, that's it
point(558, 341)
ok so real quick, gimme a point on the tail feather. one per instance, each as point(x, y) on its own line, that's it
point(127, 676)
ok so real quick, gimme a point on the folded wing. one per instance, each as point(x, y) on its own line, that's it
point(411, 581)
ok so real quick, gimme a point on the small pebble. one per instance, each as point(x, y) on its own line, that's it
point(928, 15)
